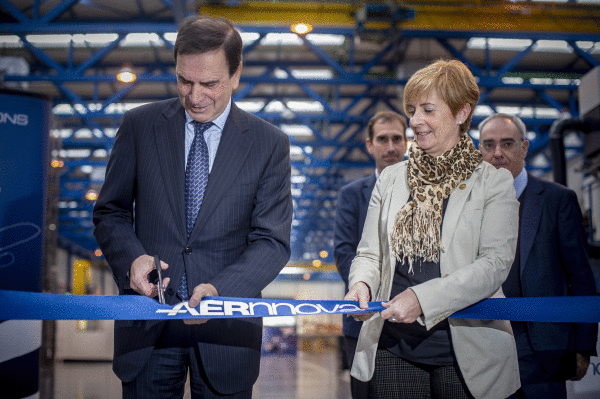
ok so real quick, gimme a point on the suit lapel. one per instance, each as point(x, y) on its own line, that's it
point(399, 197)
point(169, 134)
point(233, 149)
point(367, 188)
point(456, 203)
point(532, 210)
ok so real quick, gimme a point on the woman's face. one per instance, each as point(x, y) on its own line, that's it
point(436, 129)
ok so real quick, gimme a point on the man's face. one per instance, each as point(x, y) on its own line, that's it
point(388, 145)
point(204, 84)
point(501, 145)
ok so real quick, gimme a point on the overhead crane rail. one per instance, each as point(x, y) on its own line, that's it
point(434, 15)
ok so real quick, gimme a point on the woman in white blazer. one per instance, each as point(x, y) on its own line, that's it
point(440, 235)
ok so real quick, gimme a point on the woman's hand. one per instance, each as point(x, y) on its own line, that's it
point(362, 293)
point(403, 308)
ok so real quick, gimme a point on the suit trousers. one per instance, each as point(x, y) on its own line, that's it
point(165, 374)
point(535, 381)
point(396, 378)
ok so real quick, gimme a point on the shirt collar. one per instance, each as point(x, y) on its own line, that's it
point(521, 182)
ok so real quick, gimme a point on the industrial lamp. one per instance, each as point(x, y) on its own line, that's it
point(301, 28)
point(91, 195)
point(126, 74)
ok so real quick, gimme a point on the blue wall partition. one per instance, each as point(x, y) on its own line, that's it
point(24, 130)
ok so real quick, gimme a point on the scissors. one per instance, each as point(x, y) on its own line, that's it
point(160, 285)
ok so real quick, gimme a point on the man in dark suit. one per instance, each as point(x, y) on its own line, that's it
point(386, 142)
point(551, 260)
point(206, 187)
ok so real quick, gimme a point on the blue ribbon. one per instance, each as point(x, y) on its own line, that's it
point(18, 305)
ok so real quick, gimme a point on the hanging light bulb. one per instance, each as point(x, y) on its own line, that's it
point(126, 74)
point(301, 28)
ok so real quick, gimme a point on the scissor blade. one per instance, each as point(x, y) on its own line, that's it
point(160, 285)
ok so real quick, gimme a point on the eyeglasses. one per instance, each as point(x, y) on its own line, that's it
point(505, 145)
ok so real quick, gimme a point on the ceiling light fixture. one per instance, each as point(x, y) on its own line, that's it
point(301, 28)
point(126, 74)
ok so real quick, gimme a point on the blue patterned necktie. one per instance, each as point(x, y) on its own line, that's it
point(196, 177)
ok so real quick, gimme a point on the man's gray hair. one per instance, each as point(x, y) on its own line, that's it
point(515, 119)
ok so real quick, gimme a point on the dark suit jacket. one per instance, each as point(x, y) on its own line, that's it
point(351, 210)
point(554, 262)
point(240, 242)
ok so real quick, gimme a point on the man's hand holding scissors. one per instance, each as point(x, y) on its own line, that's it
point(138, 276)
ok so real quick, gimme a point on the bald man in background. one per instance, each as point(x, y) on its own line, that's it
point(551, 261)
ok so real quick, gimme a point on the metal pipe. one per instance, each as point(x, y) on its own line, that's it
point(557, 145)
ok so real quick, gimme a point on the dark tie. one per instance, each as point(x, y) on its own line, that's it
point(196, 177)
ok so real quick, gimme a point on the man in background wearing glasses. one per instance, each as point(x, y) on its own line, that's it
point(551, 260)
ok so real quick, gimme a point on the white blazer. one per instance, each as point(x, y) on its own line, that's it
point(479, 240)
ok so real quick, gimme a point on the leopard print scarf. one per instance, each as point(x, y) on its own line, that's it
point(417, 230)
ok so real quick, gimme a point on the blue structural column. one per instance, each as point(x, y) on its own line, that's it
point(24, 128)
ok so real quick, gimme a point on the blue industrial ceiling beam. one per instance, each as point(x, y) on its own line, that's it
point(533, 35)
point(572, 71)
point(510, 65)
point(362, 121)
point(325, 57)
point(459, 55)
point(56, 11)
point(29, 26)
point(97, 56)
point(15, 12)
point(485, 81)
point(584, 54)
